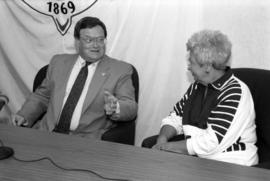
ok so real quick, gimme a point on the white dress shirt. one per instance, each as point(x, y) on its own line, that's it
point(74, 73)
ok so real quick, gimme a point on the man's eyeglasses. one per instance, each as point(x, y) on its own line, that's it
point(90, 40)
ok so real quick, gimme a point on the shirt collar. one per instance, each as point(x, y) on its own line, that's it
point(81, 62)
point(218, 84)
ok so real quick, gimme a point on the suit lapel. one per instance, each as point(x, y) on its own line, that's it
point(61, 88)
point(100, 76)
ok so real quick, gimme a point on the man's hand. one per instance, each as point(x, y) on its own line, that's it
point(18, 120)
point(111, 103)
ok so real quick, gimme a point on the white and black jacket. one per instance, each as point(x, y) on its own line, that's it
point(218, 121)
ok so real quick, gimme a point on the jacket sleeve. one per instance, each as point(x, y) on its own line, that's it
point(174, 119)
point(37, 102)
point(125, 93)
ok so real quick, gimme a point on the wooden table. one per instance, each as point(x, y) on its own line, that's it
point(108, 159)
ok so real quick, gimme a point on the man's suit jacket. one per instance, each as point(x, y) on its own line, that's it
point(110, 74)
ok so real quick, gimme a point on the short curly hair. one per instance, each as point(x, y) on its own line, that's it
point(210, 47)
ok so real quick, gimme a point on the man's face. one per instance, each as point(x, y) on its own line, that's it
point(91, 46)
point(199, 72)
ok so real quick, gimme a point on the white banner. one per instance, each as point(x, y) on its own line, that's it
point(150, 34)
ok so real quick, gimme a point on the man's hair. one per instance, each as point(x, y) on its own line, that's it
point(210, 47)
point(88, 22)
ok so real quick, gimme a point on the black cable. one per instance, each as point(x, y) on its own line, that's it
point(69, 169)
point(171, 151)
point(65, 169)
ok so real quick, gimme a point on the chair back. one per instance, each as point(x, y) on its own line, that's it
point(135, 82)
point(40, 77)
point(258, 81)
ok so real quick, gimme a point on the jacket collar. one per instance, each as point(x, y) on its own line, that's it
point(218, 84)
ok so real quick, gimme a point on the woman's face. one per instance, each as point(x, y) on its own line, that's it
point(199, 72)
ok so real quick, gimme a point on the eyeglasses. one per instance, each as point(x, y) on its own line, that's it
point(90, 40)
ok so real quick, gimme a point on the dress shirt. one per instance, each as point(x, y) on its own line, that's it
point(74, 73)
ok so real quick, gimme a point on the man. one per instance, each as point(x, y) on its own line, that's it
point(107, 94)
point(216, 114)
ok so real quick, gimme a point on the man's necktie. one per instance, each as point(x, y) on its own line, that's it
point(72, 100)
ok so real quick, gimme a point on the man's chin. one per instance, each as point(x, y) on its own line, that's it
point(94, 58)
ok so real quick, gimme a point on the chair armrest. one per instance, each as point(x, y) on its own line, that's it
point(265, 165)
point(123, 133)
point(152, 140)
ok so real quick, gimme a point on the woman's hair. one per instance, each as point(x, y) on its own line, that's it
point(210, 47)
point(88, 22)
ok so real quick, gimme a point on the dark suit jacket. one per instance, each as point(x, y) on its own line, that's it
point(110, 74)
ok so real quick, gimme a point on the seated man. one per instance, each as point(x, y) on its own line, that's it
point(82, 92)
point(216, 114)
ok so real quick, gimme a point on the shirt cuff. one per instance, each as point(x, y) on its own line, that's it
point(117, 111)
point(174, 121)
point(190, 147)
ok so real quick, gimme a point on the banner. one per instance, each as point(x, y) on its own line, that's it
point(150, 34)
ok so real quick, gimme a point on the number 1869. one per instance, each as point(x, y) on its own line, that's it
point(63, 7)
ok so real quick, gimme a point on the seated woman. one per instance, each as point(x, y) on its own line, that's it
point(216, 115)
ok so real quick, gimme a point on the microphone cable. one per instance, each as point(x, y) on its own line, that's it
point(65, 169)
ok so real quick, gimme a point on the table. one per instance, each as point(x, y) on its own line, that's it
point(108, 159)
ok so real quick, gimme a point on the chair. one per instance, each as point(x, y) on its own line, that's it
point(124, 132)
point(258, 81)
point(40, 76)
